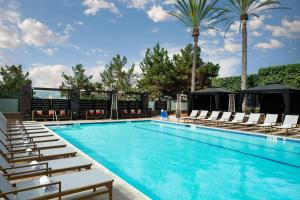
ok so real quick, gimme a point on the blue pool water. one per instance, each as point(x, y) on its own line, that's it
point(168, 161)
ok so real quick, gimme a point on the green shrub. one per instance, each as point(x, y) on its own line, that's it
point(284, 74)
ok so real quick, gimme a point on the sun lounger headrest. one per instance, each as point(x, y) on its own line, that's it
point(36, 165)
point(45, 180)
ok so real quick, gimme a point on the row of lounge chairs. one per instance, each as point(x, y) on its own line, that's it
point(227, 119)
point(28, 150)
point(46, 115)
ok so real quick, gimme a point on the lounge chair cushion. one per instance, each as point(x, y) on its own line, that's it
point(82, 179)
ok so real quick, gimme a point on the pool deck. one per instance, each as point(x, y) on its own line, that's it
point(121, 189)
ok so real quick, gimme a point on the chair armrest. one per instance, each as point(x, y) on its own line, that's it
point(47, 170)
point(29, 165)
point(34, 150)
point(14, 150)
point(34, 187)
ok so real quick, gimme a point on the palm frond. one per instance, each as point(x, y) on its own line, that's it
point(199, 13)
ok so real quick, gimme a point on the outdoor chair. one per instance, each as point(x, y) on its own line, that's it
point(270, 120)
point(35, 168)
point(59, 186)
point(125, 114)
point(202, 115)
point(40, 155)
point(290, 122)
point(252, 120)
point(21, 147)
point(214, 116)
point(224, 118)
point(193, 114)
point(238, 118)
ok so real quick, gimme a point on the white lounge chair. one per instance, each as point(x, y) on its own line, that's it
point(202, 115)
point(238, 118)
point(224, 118)
point(270, 120)
point(193, 114)
point(252, 120)
point(290, 121)
point(214, 116)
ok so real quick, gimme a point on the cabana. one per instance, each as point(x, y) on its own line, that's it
point(273, 98)
point(213, 98)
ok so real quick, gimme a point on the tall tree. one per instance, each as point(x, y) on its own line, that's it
point(13, 78)
point(183, 68)
point(183, 65)
point(78, 80)
point(244, 9)
point(197, 14)
point(115, 77)
point(157, 72)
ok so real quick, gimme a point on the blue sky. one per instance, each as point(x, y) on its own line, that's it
point(49, 37)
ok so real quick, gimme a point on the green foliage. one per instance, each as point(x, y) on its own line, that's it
point(78, 80)
point(285, 74)
point(198, 13)
point(12, 78)
point(116, 78)
point(183, 71)
point(205, 74)
point(157, 72)
point(164, 77)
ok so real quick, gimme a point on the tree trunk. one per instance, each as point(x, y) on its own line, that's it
point(195, 48)
point(244, 60)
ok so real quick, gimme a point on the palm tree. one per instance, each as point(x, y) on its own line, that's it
point(245, 9)
point(196, 14)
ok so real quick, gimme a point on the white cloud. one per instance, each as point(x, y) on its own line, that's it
point(169, 2)
point(9, 37)
point(231, 46)
point(139, 4)
point(255, 23)
point(38, 34)
point(50, 51)
point(288, 29)
point(272, 44)
point(229, 66)
point(158, 14)
point(48, 75)
point(211, 33)
point(255, 33)
point(93, 6)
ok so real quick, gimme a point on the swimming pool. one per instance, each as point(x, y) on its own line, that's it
point(169, 161)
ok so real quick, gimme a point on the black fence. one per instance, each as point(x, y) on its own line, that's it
point(77, 102)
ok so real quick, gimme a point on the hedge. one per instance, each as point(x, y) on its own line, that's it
point(284, 74)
